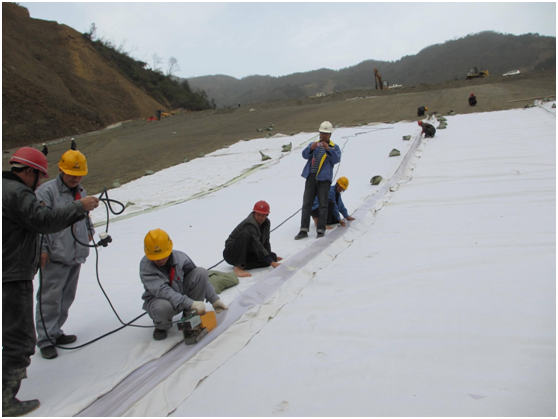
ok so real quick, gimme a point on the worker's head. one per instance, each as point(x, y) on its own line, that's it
point(157, 246)
point(420, 123)
point(30, 165)
point(261, 211)
point(426, 108)
point(472, 94)
point(342, 184)
point(325, 131)
point(73, 166)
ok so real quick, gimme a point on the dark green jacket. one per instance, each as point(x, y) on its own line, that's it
point(259, 233)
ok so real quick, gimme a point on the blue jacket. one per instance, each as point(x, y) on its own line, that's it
point(338, 206)
point(330, 159)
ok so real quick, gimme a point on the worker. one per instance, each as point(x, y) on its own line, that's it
point(62, 255)
point(334, 205)
point(321, 155)
point(427, 129)
point(421, 110)
point(248, 245)
point(472, 99)
point(23, 219)
point(172, 283)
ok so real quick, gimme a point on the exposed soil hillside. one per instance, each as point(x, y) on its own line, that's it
point(50, 70)
point(126, 151)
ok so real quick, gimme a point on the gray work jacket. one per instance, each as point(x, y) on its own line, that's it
point(61, 246)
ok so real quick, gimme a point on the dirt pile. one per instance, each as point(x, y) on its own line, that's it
point(54, 84)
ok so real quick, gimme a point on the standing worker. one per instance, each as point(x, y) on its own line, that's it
point(23, 219)
point(427, 129)
point(321, 156)
point(334, 205)
point(248, 246)
point(61, 255)
point(472, 100)
point(172, 283)
point(421, 110)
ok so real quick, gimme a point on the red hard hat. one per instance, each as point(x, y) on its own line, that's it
point(420, 122)
point(261, 207)
point(29, 156)
point(472, 94)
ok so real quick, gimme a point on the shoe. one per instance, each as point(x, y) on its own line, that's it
point(49, 352)
point(159, 334)
point(66, 339)
point(11, 406)
point(301, 235)
point(320, 235)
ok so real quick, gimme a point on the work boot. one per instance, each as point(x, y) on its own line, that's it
point(301, 235)
point(159, 334)
point(320, 235)
point(12, 406)
point(66, 339)
point(49, 352)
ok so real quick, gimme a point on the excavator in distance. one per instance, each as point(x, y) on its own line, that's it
point(378, 78)
point(474, 73)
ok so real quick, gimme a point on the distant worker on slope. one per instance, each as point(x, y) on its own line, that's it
point(427, 129)
point(61, 255)
point(172, 283)
point(421, 110)
point(334, 205)
point(472, 100)
point(321, 156)
point(23, 220)
point(248, 246)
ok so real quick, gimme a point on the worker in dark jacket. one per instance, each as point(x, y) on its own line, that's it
point(23, 220)
point(427, 129)
point(472, 100)
point(421, 110)
point(173, 283)
point(248, 246)
point(335, 205)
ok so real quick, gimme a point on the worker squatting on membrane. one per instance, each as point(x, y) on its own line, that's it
point(334, 205)
point(23, 220)
point(421, 110)
point(427, 129)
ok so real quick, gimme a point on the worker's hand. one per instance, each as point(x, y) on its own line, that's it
point(325, 145)
point(343, 223)
point(44, 260)
point(199, 306)
point(89, 203)
point(314, 145)
point(219, 306)
point(350, 218)
point(275, 264)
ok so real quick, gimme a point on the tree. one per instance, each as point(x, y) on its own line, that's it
point(173, 66)
point(157, 61)
point(92, 32)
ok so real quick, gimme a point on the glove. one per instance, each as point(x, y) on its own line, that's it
point(219, 306)
point(199, 306)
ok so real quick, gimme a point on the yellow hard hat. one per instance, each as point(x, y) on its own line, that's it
point(73, 163)
point(343, 182)
point(157, 245)
point(426, 108)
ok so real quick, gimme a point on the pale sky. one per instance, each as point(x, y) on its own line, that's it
point(242, 39)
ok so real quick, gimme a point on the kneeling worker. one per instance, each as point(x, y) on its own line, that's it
point(248, 246)
point(172, 283)
point(334, 205)
point(427, 129)
point(421, 110)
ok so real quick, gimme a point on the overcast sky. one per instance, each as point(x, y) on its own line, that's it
point(242, 39)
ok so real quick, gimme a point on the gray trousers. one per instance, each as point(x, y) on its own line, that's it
point(314, 187)
point(196, 286)
point(57, 293)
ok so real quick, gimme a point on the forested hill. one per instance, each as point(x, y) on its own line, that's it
point(499, 53)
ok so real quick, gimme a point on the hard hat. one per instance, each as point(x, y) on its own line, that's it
point(426, 108)
point(472, 94)
point(420, 122)
point(261, 207)
point(157, 245)
point(343, 182)
point(29, 156)
point(326, 127)
point(73, 163)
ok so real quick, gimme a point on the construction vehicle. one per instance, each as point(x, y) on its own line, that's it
point(378, 79)
point(474, 73)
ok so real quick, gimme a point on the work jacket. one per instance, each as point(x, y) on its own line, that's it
point(158, 284)
point(260, 234)
point(23, 219)
point(330, 158)
point(338, 206)
point(428, 129)
point(61, 246)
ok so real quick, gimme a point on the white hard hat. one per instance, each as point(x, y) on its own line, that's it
point(326, 127)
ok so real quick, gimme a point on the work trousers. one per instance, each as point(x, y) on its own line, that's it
point(56, 295)
point(430, 132)
point(242, 252)
point(196, 285)
point(18, 329)
point(312, 188)
point(330, 215)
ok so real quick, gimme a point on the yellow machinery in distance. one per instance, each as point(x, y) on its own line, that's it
point(474, 73)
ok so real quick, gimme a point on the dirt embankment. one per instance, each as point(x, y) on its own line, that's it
point(128, 150)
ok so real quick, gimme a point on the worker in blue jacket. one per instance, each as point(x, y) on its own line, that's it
point(321, 157)
point(335, 205)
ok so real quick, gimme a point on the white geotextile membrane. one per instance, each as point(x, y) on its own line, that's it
point(442, 303)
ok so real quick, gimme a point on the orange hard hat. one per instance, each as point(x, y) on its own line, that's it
point(420, 122)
